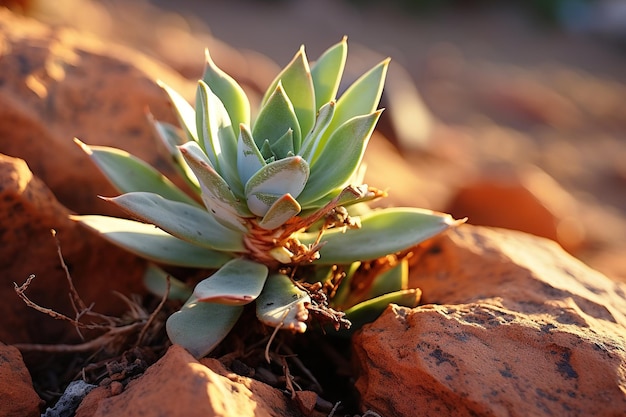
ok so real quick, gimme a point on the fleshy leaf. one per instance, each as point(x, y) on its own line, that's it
point(284, 176)
point(216, 193)
point(276, 117)
point(327, 71)
point(186, 114)
point(216, 135)
point(340, 158)
point(249, 157)
point(238, 282)
point(186, 222)
point(155, 280)
point(370, 310)
point(360, 98)
point(199, 327)
point(172, 137)
point(260, 202)
point(298, 84)
point(382, 232)
point(128, 173)
point(392, 280)
point(266, 152)
point(282, 304)
point(152, 243)
point(283, 147)
point(282, 210)
point(229, 92)
point(310, 143)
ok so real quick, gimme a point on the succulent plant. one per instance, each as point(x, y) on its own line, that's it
point(280, 209)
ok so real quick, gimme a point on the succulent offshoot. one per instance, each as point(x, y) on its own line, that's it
point(275, 197)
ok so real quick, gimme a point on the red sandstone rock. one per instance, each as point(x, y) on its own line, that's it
point(29, 210)
point(528, 200)
point(179, 385)
point(17, 396)
point(514, 327)
point(57, 84)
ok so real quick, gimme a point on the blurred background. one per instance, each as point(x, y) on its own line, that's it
point(510, 113)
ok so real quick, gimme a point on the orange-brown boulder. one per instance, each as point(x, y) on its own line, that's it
point(527, 199)
point(57, 84)
point(513, 326)
point(179, 385)
point(17, 396)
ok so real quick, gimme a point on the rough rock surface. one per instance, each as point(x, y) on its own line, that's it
point(204, 389)
point(17, 396)
point(513, 326)
point(56, 84)
point(30, 211)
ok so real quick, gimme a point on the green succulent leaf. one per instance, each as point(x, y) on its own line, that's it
point(172, 137)
point(266, 152)
point(283, 147)
point(391, 280)
point(216, 193)
point(249, 158)
point(276, 117)
point(185, 113)
point(216, 135)
point(360, 98)
point(327, 71)
point(238, 282)
point(155, 280)
point(199, 326)
point(229, 92)
point(298, 84)
point(284, 176)
point(189, 223)
point(282, 304)
point(382, 232)
point(370, 310)
point(282, 210)
point(152, 243)
point(128, 173)
point(340, 158)
point(311, 142)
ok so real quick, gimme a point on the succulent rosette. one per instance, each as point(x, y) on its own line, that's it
point(273, 192)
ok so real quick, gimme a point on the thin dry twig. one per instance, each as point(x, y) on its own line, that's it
point(274, 333)
point(107, 339)
point(156, 311)
point(334, 409)
point(74, 297)
point(21, 292)
point(288, 378)
point(302, 368)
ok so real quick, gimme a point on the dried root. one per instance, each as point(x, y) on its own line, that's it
point(116, 332)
